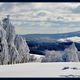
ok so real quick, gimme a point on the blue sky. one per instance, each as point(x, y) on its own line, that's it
point(42, 18)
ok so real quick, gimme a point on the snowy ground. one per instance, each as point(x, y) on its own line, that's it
point(39, 70)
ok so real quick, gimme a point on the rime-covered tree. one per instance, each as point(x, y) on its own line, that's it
point(10, 30)
point(18, 52)
point(10, 36)
point(52, 56)
point(22, 48)
point(14, 55)
point(79, 55)
point(4, 55)
point(71, 54)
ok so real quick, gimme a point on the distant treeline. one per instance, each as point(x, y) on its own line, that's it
point(39, 47)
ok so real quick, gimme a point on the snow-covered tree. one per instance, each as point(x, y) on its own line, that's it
point(79, 55)
point(22, 48)
point(14, 55)
point(52, 56)
point(4, 55)
point(10, 36)
point(71, 54)
point(18, 52)
point(10, 30)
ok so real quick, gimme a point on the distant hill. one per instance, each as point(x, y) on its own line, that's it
point(40, 42)
point(50, 37)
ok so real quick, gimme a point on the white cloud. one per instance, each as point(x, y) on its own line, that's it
point(21, 13)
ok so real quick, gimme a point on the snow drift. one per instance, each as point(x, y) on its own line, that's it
point(40, 70)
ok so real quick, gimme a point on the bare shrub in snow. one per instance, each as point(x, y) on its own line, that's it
point(34, 58)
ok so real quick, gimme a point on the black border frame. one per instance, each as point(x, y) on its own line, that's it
point(37, 78)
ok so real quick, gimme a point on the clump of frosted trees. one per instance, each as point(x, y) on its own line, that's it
point(13, 48)
point(52, 56)
point(70, 54)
